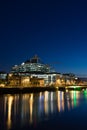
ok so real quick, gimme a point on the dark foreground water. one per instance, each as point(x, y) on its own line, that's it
point(45, 110)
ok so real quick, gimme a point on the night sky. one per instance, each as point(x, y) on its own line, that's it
point(54, 30)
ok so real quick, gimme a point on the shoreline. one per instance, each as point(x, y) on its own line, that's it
point(18, 90)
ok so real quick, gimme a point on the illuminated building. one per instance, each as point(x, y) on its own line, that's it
point(33, 65)
point(38, 72)
point(35, 73)
point(3, 75)
point(3, 79)
point(37, 82)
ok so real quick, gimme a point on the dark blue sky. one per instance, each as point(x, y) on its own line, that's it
point(54, 30)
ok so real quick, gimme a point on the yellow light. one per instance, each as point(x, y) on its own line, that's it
point(31, 107)
point(10, 100)
point(60, 101)
point(46, 102)
point(10, 75)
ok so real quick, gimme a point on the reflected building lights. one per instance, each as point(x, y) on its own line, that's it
point(41, 107)
point(85, 94)
point(68, 101)
point(51, 96)
point(40, 95)
point(46, 102)
point(75, 95)
point(35, 107)
point(63, 101)
point(71, 96)
point(16, 99)
point(31, 107)
point(68, 104)
point(10, 100)
point(5, 101)
point(60, 101)
point(74, 99)
point(24, 107)
point(51, 102)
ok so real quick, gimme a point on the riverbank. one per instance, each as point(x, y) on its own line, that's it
point(15, 90)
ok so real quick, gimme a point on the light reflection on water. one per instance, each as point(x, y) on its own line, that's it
point(21, 109)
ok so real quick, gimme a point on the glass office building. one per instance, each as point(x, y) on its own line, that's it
point(33, 65)
point(35, 68)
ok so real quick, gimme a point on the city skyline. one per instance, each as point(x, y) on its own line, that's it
point(55, 31)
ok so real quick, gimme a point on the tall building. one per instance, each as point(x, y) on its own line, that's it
point(35, 68)
point(33, 65)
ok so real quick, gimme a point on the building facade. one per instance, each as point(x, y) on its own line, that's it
point(34, 69)
point(33, 73)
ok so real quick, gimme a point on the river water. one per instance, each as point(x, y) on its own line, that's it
point(59, 110)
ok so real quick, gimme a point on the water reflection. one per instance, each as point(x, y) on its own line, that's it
point(32, 108)
point(9, 104)
point(46, 103)
point(74, 96)
point(60, 101)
